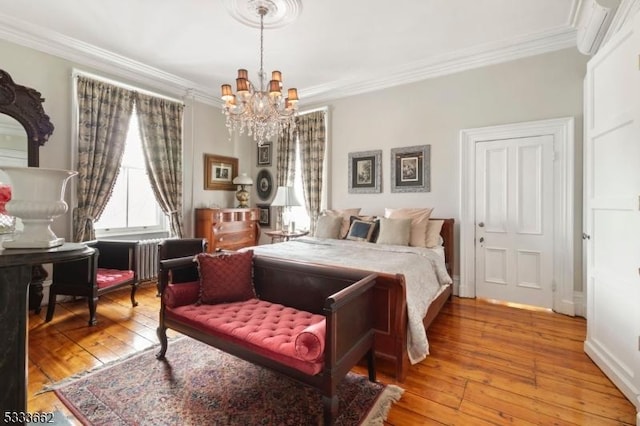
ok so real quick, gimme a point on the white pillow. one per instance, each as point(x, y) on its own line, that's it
point(433, 233)
point(345, 214)
point(394, 231)
point(419, 222)
point(328, 227)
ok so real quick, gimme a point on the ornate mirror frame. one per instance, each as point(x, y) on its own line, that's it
point(25, 105)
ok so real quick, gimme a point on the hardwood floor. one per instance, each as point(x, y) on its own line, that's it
point(489, 363)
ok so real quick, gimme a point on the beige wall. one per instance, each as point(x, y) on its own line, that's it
point(428, 112)
point(435, 110)
point(204, 128)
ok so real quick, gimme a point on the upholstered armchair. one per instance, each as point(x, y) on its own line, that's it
point(181, 247)
point(111, 268)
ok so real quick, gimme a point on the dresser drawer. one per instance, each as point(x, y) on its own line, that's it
point(231, 227)
point(235, 240)
point(227, 229)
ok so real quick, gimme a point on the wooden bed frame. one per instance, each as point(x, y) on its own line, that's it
point(390, 300)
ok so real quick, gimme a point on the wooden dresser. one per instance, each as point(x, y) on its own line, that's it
point(228, 229)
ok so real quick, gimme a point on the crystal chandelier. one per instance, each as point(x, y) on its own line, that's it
point(263, 113)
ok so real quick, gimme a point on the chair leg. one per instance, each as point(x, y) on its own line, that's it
point(93, 302)
point(51, 305)
point(371, 365)
point(161, 331)
point(329, 408)
point(134, 287)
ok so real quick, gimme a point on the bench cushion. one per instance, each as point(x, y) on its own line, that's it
point(111, 277)
point(263, 327)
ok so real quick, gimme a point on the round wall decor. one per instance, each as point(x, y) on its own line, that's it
point(264, 184)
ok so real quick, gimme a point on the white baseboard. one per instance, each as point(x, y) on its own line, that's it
point(580, 306)
point(603, 359)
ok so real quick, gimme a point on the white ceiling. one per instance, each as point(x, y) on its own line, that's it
point(335, 48)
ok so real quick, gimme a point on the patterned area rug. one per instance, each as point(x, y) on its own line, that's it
point(200, 385)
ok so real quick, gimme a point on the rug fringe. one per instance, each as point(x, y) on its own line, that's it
point(378, 413)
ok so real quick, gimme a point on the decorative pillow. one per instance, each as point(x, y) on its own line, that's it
point(361, 230)
point(328, 227)
point(225, 277)
point(368, 219)
point(345, 214)
point(419, 222)
point(394, 231)
point(310, 342)
point(181, 294)
point(433, 232)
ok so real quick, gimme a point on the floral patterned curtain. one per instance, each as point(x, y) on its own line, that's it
point(312, 140)
point(161, 134)
point(285, 165)
point(104, 111)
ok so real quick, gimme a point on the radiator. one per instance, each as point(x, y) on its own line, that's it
point(147, 259)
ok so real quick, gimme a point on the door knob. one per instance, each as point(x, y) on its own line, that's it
point(586, 236)
point(481, 224)
point(482, 239)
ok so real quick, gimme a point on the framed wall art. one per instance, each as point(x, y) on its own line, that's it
point(219, 172)
point(264, 184)
point(265, 215)
point(365, 172)
point(411, 169)
point(264, 154)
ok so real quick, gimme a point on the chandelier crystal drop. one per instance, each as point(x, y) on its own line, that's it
point(263, 112)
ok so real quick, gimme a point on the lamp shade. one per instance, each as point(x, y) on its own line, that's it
point(242, 179)
point(285, 197)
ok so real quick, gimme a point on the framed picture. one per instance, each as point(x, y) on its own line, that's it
point(265, 215)
point(219, 172)
point(264, 184)
point(411, 169)
point(264, 154)
point(365, 172)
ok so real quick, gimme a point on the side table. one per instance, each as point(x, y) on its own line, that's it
point(16, 272)
point(282, 235)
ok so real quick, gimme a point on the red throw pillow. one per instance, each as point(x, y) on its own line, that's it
point(310, 342)
point(181, 294)
point(225, 277)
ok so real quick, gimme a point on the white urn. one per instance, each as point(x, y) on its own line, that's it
point(37, 199)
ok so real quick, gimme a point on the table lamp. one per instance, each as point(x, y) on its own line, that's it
point(286, 197)
point(242, 194)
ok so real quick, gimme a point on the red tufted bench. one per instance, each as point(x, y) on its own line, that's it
point(266, 328)
point(312, 323)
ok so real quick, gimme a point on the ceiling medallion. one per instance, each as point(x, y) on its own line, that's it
point(279, 12)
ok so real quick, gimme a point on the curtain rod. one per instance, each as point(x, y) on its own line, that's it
point(77, 72)
point(309, 111)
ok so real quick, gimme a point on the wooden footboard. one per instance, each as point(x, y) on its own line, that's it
point(390, 322)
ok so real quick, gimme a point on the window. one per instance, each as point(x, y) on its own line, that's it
point(132, 208)
point(300, 214)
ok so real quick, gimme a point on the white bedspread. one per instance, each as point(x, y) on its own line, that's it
point(424, 271)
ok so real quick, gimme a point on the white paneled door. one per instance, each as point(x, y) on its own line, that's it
point(612, 209)
point(514, 220)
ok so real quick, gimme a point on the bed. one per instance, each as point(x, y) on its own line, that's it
point(400, 326)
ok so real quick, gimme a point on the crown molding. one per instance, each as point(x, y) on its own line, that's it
point(625, 12)
point(461, 60)
point(574, 15)
point(79, 52)
point(51, 42)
